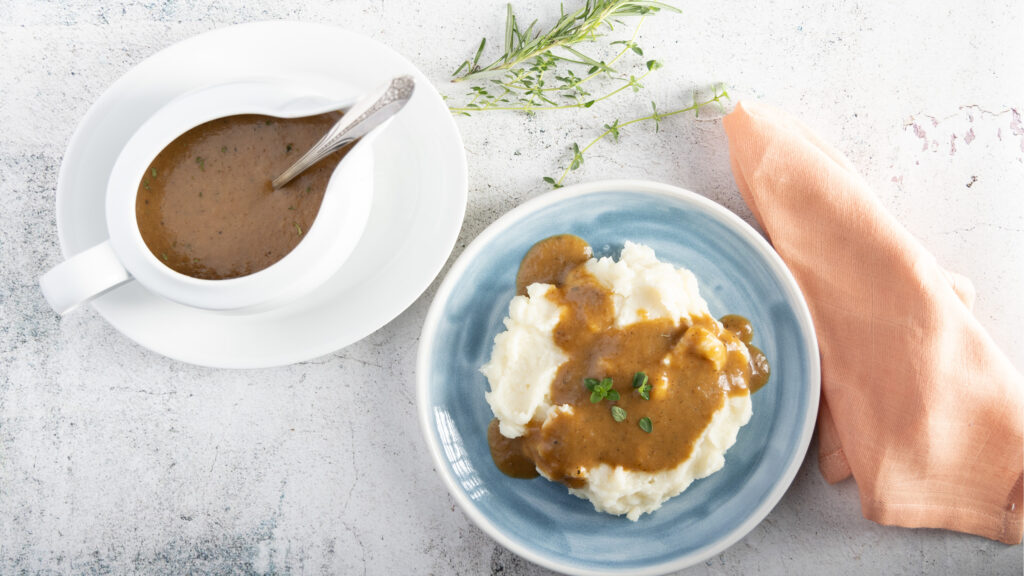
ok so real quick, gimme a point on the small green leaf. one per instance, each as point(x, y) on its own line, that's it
point(637, 49)
point(590, 383)
point(645, 424)
point(596, 397)
point(639, 379)
point(613, 129)
point(479, 51)
point(619, 414)
point(588, 104)
point(549, 180)
point(653, 64)
point(612, 395)
point(577, 157)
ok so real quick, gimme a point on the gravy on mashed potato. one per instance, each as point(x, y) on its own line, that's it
point(604, 324)
point(206, 208)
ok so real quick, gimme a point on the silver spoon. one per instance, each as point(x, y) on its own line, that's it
point(358, 121)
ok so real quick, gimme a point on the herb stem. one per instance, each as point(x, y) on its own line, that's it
point(572, 28)
point(633, 81)
point(719, 94)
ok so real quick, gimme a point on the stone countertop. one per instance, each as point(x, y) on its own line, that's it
point(114, 459)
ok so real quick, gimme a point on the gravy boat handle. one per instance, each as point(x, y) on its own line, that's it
point(83, 277)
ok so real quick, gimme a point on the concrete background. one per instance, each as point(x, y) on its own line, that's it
point(116, 460)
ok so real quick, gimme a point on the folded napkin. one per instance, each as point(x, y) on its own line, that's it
point(918, 402)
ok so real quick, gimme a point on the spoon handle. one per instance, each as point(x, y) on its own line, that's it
point(358, 121)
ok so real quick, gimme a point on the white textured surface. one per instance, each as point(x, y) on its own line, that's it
point(115, 460)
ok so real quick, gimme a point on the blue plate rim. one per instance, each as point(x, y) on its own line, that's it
point(643, 187)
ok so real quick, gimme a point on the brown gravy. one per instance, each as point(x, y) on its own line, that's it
point(683, 395)
point(205, 206)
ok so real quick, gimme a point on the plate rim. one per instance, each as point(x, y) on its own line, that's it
point(648, 187)
point(459, 177)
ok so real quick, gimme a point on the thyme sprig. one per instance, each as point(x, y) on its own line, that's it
point(534, 99)
point(601, 389)
point(614, 129)
point(585, 24)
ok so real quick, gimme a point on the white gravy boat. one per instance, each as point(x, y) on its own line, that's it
point(124, 257)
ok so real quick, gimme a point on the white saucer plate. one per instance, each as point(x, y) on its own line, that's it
point(419, 198)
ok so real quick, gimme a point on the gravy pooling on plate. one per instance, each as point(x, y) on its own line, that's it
point(206, 208)
point(691, 369)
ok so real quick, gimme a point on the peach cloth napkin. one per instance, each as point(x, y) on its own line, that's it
point(918, 402)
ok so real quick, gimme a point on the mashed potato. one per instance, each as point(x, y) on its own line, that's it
point(525, 360)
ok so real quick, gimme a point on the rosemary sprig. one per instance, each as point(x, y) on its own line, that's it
point(540, 71)
point(614, 129)
point(572, 28)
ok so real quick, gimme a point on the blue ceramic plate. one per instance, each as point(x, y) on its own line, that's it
point(739, 273)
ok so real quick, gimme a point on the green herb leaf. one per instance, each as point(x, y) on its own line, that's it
point(642, 385)
point(479, 51)
point(645, 424)
point(618, 413)
point(639, 379)
point(613, 129)
point(653, 64)
point(577, 157)
point(549, 180)
point(600, 390)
